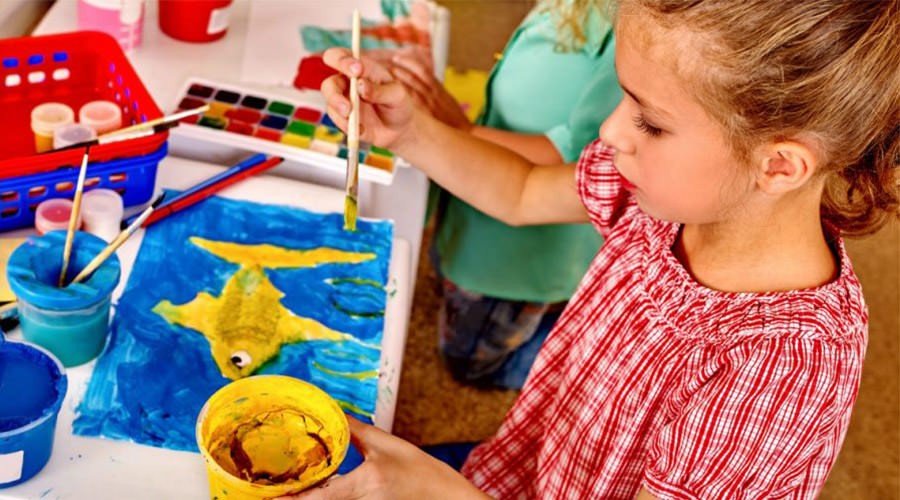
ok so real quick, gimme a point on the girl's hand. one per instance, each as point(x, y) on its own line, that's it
point(386, 111)
point(428, 92)
point(393, 469)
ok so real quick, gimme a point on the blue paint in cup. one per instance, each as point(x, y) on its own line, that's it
point(32, 388)
point(71, 322)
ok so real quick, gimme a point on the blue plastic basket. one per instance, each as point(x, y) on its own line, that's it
point(133, 178)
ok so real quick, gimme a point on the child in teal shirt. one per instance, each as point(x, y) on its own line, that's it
point(505, 286)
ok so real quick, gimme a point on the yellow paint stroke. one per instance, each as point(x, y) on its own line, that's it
point(351, 375)
point(246, 325)
point(347, 406)
point(273, 257)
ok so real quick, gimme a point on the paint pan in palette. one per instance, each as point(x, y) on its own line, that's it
point(294, 128)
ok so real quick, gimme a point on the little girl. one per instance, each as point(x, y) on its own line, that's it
point(714, 348)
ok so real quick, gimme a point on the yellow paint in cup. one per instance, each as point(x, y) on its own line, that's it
point(45, 119)
point(270, 435)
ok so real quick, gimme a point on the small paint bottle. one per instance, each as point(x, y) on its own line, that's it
point(72, 133)
point(101, 212)
point(71, 322)
point(32, 389)
point(102, 116)
point(45, 119)
point(53, 215)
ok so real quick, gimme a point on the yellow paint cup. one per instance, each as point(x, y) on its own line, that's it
point(268, 436)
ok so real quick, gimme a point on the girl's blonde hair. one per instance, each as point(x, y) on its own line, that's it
point(824, 70)
point(571, 18)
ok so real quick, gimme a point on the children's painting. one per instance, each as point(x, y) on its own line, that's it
point(230, 289)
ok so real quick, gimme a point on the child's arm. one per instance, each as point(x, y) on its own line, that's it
point(491, 178)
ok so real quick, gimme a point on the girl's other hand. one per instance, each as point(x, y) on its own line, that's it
point(386, 110)
point(427, 91)
point(393, 469)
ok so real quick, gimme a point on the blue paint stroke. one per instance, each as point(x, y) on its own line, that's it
point(153, 378)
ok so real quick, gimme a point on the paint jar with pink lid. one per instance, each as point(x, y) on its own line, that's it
point(54, 214)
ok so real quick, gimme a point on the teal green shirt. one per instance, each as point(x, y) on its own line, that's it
point(535, 89)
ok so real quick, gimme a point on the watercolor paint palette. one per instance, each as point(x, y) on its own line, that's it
point(275, 125)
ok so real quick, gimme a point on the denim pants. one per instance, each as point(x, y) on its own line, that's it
point(491, 342)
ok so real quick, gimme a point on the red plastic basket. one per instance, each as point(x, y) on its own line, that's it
point(72, 68)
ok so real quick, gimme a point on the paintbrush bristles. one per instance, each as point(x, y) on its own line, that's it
point(123, 236)
point(73, 219)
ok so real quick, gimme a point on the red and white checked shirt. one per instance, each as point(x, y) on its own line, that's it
point(649, 379)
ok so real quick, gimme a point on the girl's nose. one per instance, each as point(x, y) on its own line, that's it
point(616, 131)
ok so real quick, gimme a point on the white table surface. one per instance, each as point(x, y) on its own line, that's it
point(93, 468)
point(164, 64)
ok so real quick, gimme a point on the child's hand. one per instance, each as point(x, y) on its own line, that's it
point(386, 111)
point(393, 469)
point(428, 92)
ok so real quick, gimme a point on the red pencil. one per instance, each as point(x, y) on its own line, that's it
point(192, 199)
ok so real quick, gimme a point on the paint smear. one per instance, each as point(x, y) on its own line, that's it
point(279, 446)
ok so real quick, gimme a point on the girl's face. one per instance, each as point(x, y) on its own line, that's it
point(672, 154)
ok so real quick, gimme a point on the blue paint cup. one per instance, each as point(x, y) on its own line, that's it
point(71, 322)
point(32, 388)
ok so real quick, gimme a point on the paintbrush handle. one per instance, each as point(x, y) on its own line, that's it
point(104, 254)
point(73, 219)
point(352, 181)
point(158, 121)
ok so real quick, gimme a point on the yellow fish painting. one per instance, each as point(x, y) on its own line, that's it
point(246, 325)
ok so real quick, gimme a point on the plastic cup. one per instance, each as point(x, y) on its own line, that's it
point(101, 212)
point(195, 21)
point(53, 215)
point(270, 435)
point(102, 116)
point(32, 388)
point(72, 133)
point(71, 322)
point(45, 119)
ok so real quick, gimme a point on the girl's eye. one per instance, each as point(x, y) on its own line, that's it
point(645, 127)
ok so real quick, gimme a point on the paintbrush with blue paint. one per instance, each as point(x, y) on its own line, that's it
point(351, 198)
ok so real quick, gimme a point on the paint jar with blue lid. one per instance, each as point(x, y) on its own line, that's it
point(33, 385)
point(71, 322)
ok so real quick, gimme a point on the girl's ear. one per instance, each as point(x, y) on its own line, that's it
point(785, 166)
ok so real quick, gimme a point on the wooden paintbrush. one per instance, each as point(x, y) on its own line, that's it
point(351, 205)
point(173, 118)
point(118, 137)
point(73, 218)
point(113, 246)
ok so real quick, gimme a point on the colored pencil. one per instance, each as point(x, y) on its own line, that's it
point(73, 218)
point(242, 165)
point(210, 187)
point(104, 254)
point(351, 199)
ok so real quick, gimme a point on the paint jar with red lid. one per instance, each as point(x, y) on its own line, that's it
point(194, 20)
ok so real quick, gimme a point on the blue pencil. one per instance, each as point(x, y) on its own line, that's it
point(240, 167)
